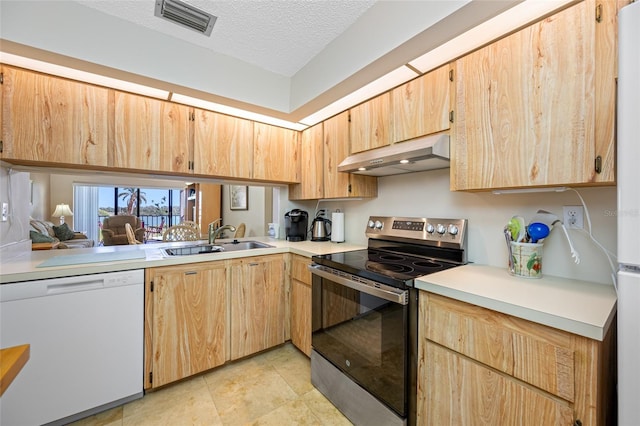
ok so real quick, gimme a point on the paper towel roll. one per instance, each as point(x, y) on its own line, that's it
point(337, 227)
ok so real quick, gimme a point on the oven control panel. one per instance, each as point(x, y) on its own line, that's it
point(433, 231)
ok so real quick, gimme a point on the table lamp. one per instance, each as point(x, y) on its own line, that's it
point(61, 211)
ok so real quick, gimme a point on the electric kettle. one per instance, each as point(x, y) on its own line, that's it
point(321, 227)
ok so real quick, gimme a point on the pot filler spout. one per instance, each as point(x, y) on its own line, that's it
point(417, 155)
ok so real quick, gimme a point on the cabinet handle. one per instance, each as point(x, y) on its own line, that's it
point(599, 13)
point(451, 116)
point(191, 273)
point(450, 75)
point(578, 422)
point(253, 264)
point(598, 164)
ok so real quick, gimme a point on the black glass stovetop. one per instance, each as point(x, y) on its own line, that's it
point(396, 269)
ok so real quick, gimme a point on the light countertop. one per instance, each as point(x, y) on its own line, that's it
point(580, 307)
point(115, 258)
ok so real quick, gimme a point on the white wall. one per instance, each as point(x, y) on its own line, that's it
point(15, 188)
point(255, 217)
point(427, 194)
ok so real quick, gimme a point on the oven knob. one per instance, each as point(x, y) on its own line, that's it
point(378, 224)
point(371, 224)
point(441, 229)
point(453, 230)
point(430, 228)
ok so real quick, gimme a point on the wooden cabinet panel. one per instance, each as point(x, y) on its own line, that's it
point(301, 303)
point(257, 304)
point(188, 325)
point(371, 124)
point(421, 106)
point(336, 149)
point(276, 154)
point(526, 110)
point(311, 184)
point(223, 145)
point(475, 364)
point(52, 120)
point(469, 394)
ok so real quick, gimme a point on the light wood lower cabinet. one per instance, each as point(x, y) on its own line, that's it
point(186, 321)
point(481, 367)
point(301, 303)
point(257, 304)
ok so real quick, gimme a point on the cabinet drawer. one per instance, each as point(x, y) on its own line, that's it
point(299, 269)
point(536, 354)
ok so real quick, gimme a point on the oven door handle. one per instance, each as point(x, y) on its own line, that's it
point(395, 296)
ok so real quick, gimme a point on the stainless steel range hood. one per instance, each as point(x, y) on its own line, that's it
point(427, 153)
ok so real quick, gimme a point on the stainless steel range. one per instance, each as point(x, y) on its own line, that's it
point(365, 315)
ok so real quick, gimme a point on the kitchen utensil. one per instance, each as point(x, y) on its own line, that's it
point(537, 231)
point(507, 236)
point(517, 228)
point(320, 228)
point(543, 216)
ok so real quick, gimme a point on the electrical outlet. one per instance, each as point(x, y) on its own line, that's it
point(5, 211)
point(573, 217)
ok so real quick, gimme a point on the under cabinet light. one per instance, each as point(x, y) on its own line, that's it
point(530, 190)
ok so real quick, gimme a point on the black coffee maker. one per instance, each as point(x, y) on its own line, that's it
point(296, 222)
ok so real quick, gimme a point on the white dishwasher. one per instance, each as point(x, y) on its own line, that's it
point(86, 335)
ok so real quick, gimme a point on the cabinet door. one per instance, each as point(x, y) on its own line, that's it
point(336, 149)
point(276, 154)
point(453, 390)
point(257, 304)
point(149, 134)
point(421, 106)
point(188, 321)
point(311, 184)
point(53, 120)
point(525, 108)
point(223, 145)
point(301, 304)
point(370, 124)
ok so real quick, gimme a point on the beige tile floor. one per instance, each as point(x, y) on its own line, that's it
point(271, 388)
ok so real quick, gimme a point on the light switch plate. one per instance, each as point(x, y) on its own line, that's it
point(5, 211)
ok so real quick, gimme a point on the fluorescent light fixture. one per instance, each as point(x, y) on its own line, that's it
point(87, 77)
point(376, 87)
point(529, 190)
point(486, 32)
point(224, 109)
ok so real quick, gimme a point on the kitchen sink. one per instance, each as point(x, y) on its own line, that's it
point(214, 248)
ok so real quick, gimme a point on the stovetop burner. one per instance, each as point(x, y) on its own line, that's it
point(402, 249)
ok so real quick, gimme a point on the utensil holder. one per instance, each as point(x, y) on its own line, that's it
point(526, 260)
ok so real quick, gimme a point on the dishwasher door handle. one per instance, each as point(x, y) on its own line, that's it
point(74, 287)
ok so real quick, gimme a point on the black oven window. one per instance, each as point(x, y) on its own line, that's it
point(365, 337)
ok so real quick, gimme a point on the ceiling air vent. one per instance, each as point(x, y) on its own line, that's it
point(186, 15)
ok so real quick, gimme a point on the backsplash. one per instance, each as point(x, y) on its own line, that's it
point(427, 194)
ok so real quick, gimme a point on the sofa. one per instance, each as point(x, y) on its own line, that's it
point(114, 232)
point(61, 236)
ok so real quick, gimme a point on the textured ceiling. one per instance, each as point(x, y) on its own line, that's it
point(278, 36)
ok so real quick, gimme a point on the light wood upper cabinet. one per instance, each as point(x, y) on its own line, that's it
point(536, 108)
point(371, 124)
point(421, 106)
point(301, 303)
point(53, 120)
point(149, 134)
point(311, 184)
point(276, 154)
point(257, 304)
point(186, 321)
point(336, 149)
point(223, 145)
point(481, 367)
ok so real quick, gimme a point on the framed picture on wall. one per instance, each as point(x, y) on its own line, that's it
point(239, 197)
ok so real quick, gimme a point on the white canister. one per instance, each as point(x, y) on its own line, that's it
point(273, 230)
point(337, 226)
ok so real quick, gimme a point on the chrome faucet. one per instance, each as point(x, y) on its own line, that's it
point(215, 232)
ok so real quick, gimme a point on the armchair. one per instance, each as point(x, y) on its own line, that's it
point(114, 231)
